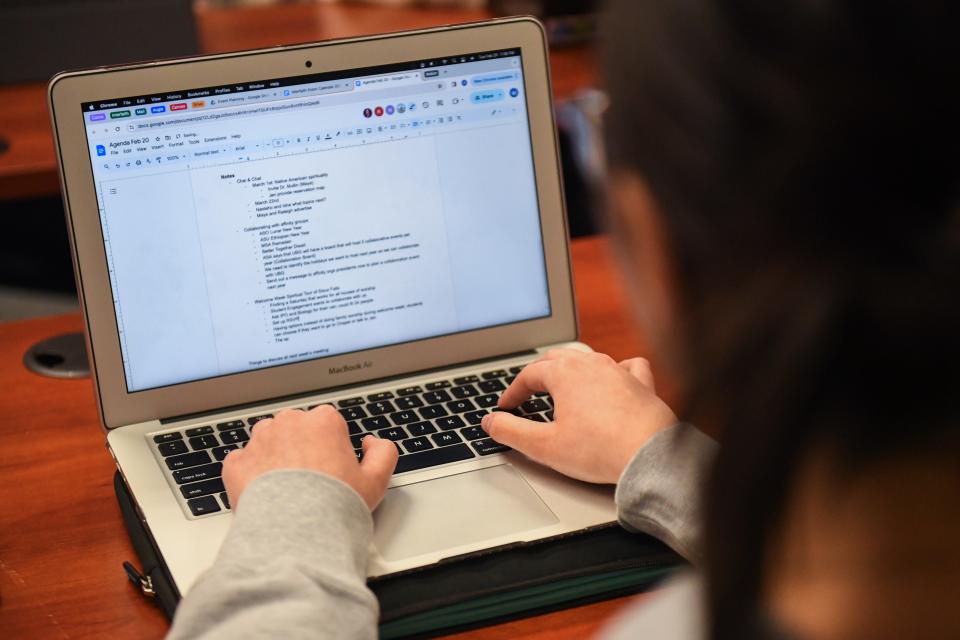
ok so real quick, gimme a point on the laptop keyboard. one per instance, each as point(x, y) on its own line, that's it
point(431, 424)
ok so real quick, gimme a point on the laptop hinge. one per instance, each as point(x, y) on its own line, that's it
point(249, 405)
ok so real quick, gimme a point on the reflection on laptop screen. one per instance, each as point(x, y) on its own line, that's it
point(269, 222)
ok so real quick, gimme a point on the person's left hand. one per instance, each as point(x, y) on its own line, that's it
point(317, 440)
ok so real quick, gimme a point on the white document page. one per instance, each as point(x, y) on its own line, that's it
point(324, 252)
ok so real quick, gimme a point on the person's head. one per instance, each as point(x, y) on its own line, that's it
point(784, 190)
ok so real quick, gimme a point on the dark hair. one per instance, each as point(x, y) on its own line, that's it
point(804, 157)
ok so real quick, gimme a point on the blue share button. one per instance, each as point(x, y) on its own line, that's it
point(489, 95)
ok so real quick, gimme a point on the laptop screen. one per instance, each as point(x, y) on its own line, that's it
point(257, 224)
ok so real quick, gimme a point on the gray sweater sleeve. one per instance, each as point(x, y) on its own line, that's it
point(291, 567)
point(296, 568)
point(659, 492)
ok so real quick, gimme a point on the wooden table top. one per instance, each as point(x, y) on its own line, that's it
point(62, 540)
point(28, 168)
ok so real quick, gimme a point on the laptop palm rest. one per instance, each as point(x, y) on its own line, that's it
point(433, 515)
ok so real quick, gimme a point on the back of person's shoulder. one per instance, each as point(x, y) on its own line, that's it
point(675, 611)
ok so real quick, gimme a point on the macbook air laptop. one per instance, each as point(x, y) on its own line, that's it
point(374, 223)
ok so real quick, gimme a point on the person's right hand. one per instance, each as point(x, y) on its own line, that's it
point(604, 411)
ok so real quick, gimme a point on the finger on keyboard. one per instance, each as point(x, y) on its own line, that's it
point(534, 377)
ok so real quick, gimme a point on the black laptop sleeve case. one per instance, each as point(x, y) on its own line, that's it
point(463, 593)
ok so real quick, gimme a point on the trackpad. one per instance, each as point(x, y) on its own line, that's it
point(438, 514)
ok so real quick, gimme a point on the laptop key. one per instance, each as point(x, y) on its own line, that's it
point(255, 419)
point(229, 424)
point(225, 499)
point(516, 370)
point(381, 407)
point(195, 474)
point(474, 417)
point(404, 417)
point(408, 391)
point(234, 436)
point(446, 438)
point(198, 431)
point(450, 422)
point(356, 440)
point(416, 444)
point(434, 397)
point(439, 384)
point(187, 460)
point(393, 433)
point(473, 433)
point(168, 437)
point(490, 386)
point(487, 446)
point(408, 402)
point(487, 401)
point(173, 448)
point(359, 454)
point(354, 428)
point(203, 506)
point(350, 402)
point(353, 413)
point(219, 453)
point(376, 422)
point(202, 488)
point(421, 428)
point(433, 457)
point(466, 379)
point(377, 397)
point(515, 412)
point(459, 406)
point(549, 415)
point(498, 373)
point(204, 442)
point(536, 417)
point(534, 405)
point(510, 379)
point(431, 412)
point(465, 391)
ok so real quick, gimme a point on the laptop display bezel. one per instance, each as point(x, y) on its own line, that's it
point(118, 407)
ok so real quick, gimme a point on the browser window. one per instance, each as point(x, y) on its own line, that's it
point(270, 222)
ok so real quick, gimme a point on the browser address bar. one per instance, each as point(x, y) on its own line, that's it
point(218, 114)
point(280, 106)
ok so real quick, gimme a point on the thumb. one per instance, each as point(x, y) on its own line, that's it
point(526, 436)
point(379, 460)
